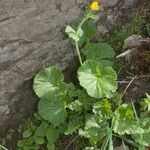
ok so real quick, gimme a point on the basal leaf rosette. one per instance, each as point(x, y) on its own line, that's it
point(48, 82)
point(98, 81)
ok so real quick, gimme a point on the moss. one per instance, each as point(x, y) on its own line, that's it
point(137, 25)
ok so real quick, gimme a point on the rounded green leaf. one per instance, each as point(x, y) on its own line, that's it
point(52, 135)
point(98, 51)
point(50, 146)
point(98, 81)
point(73, 125)
point(101, 52)
point(89, 29)
point(20, 143)
point(48, 82)
point(27, 133)
point(41, 130)
point(39, 140)
point(53, 111)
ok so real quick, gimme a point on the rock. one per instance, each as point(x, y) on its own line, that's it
point(31, 38)
point(132, 41)
point(112, 19)
point(121, 147)
point(128, 3)
point(137, 52)
point(109, 3)
point(102, 30)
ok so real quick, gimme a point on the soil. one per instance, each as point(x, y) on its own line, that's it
point(134, 83)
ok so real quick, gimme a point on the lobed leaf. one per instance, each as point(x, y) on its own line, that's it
point(48, 82)
point(100, 52)
point(38, 140)
point(95, 129)
point(73, 125)
point(87, 101)
point(72, 33)
point(103, 109)
point(53, 111)
point(50, 146)
point(41, 130)
point(75, 105)
point(146, 103)
point(125, 121)
point(52, 135)
point(142, 139)
point(89, 30)
point(27, 133)
point(98, 81)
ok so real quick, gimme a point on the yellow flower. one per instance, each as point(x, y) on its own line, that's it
point(95, 5)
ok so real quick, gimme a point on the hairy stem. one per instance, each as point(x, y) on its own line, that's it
point(76, 43)
point(78, 52)
point(81, 23)
point(105, 143)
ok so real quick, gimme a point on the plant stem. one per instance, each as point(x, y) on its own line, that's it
point(104, 146)
point(135, 112)
point(78, 52)
point(71, 142)
point(81, 23)
point(137, 118)
point(110, 147)
point(3, 147)
point(124, 146)
point(76, 43)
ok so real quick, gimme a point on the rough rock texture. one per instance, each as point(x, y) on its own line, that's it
point(121, 148)
point(132, 41)
point(32, 37)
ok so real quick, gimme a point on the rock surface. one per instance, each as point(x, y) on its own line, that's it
point(122, 147)
point(32, 37)
point(132, 41)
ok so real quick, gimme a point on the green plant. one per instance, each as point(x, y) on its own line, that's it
point(6, 139)
point(95, 110)
point(137, 25)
